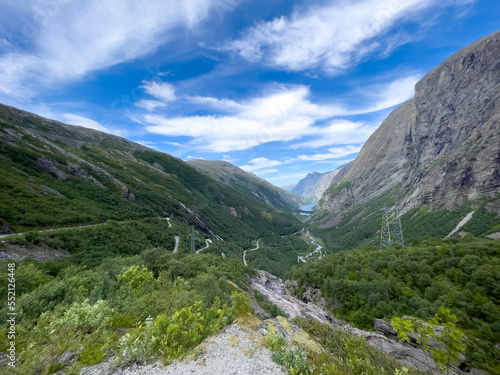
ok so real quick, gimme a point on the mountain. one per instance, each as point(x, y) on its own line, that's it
point(315, 184)
point(54, 175)
point(437, 157)
point(288, 187)
point(236, 177)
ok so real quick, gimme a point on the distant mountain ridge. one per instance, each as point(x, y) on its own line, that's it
point(315, 183)
point(236, 177)
point(439, 150)
point(288, 187)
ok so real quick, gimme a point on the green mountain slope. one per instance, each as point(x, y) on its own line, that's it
point(52, 174)
point(250, 183)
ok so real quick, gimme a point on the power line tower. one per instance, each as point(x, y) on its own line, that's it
point(193, 239)
point(391, 232)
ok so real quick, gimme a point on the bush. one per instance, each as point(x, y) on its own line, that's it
point(137, 277)
point(81, 317)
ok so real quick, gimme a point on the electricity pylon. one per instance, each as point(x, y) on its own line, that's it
point(391, 232)
point(193, 240)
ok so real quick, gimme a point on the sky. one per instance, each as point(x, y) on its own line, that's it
point(279, 88)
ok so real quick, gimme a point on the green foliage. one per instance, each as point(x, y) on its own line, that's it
point(240, 303)
point(462, 275)
point(447, 341)
point(172, 336)
point(278, 254)
point(137, 277)
point(291, 357)
point(80, 318)
point(92, 354)
point(90, 308)
point(360, 224)
point(345, 354)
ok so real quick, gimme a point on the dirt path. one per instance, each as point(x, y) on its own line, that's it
point(245, 253)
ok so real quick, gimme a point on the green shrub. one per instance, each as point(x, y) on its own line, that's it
point(137, 277)
point(240, 303)
point(293, 358)
point(81, 318)
point(92, 354)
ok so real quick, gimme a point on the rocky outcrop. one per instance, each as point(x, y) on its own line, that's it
point(441, 148)
point(384, 339)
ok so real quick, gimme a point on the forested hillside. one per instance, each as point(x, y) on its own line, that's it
point(58, 175)
point(461, 275)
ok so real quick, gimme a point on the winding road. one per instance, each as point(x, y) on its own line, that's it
point(245, 253)
point(50, 230)
point(207, 245)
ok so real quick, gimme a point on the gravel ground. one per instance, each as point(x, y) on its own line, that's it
point(231, 352)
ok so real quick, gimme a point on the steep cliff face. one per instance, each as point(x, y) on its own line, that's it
point(441, 148)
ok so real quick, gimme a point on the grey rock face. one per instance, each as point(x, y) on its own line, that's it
point(66, 358)
point(384, 339)
point(443, 146)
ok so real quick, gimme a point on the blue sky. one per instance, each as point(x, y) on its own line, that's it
point(279, 88)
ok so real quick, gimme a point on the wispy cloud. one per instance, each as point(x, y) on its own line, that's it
point(73, 119)
point(149, 105)
point(260, 163)
point(86, 36)
point(267, 171)
point(148, 144)
point(282, 113)
point(333, 153)
point(395, 92)
point(332, 37)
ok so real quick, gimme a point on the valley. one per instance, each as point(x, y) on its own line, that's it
point(132, 258)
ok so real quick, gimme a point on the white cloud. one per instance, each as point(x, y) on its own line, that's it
point(224, 104)
point(148, 144)
point(284, 114)
point(176, 144)
point(73, 119)
point(338, 132)
point(81, 37)
point(267, 171)
point(163, 91)
point(332, 37)
point(259, 163)
point(281, 114)
point(229, 159)
point(149, 105)
point(395, 92)
point(333, 153)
